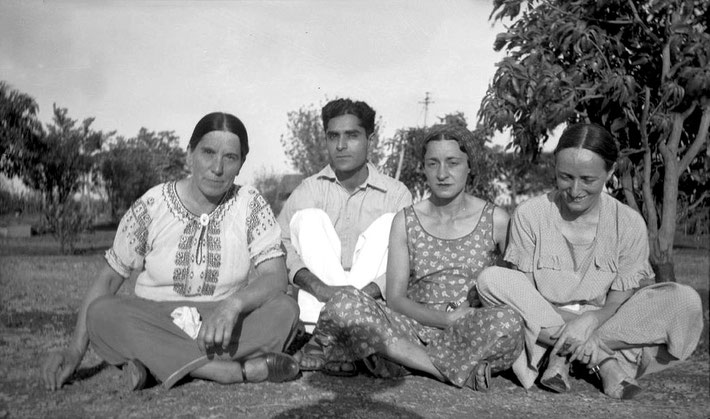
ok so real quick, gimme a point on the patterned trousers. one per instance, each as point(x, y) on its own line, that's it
point(354, 326)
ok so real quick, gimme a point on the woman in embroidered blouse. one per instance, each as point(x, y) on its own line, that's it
point(437, 248)
point(204, 247)
point(580, 256)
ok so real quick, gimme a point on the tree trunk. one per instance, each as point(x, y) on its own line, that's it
point(400, 163)
point(665, 272)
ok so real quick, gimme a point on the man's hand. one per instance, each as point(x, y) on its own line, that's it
point(59, 366)
point(216, 330)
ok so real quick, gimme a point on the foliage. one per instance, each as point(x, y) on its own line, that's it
point(66, 220)
point(641, 69)
point(304, 144)
point(404, 160)
point(18, 128)
point(267, 183)
point(523, 177)
point(129, 167)
point(22, 202)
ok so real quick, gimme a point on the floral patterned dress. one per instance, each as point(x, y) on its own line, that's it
point(354, 326)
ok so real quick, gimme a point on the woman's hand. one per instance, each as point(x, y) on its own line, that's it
point(216, 330)
point(459, 312)
point(575, 333)
point(59, 366)
point(592, 351)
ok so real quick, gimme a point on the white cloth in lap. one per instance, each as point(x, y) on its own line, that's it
point(314, 238)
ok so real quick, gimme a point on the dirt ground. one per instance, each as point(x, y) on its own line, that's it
point(97, 390)
point(39, 295)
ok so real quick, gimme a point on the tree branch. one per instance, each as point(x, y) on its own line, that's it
point(698, 201)
point(640, 21)
point(700, 138)
point(649, 203)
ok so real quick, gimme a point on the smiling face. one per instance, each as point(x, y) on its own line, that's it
point(446, 168)
point(347, 143)
point(215, 162)
point(581, 175)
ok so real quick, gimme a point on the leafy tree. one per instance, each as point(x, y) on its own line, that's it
point(304, 144)
point(19, 127)
point(58, 164)
point(639, 68)
point(129, 167)
point(522, 176)
point(267, 182)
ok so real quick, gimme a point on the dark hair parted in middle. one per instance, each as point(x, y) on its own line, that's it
point(220, 121)
point(592, 137)
point(340, 107)
point(457, 133)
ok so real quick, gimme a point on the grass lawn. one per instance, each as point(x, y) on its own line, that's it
point(40, 291)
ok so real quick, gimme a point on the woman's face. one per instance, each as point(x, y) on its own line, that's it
point(215, 162)
point(581, 175)
point(446, 168)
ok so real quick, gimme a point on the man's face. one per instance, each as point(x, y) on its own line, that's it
point(347, 143)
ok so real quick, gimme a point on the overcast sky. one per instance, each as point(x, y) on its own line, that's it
point(164, 64)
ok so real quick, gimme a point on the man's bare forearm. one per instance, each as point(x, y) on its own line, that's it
point(310, 283)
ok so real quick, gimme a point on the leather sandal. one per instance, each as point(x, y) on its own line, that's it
point(556, 375)
point(480, 378)
point(134, 375)
point(313, 352)
point(340, 369)
point(625, 389)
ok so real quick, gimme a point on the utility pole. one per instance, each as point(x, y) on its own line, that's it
point(427, 100)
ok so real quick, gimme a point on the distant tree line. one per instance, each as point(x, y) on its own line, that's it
point(66, 157)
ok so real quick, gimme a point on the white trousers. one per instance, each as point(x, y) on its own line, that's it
point(314, 238)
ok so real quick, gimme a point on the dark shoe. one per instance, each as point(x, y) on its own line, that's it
point(340, 369)
point(134, 375)
point(556, 376)
point(281, 367)
point(480, 378)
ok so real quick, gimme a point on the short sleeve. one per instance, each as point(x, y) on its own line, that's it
point(130, 245)
point(522, 241)
point(263, 232)
point(633, 265)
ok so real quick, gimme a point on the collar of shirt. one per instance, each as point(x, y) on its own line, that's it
point(374, 178)
point(605, 249)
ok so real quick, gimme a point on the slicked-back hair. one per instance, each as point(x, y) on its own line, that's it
point(220, 121)
point(592, 137)
point(340, 107)
point(451, 132)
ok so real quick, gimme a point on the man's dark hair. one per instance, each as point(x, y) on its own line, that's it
point(340, 107)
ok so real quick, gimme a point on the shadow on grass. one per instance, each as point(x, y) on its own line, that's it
point(82, 374)
point(350, 401)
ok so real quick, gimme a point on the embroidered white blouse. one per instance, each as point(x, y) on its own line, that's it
point(184, 256)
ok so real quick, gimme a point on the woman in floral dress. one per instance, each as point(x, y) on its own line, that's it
point(437, 247)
